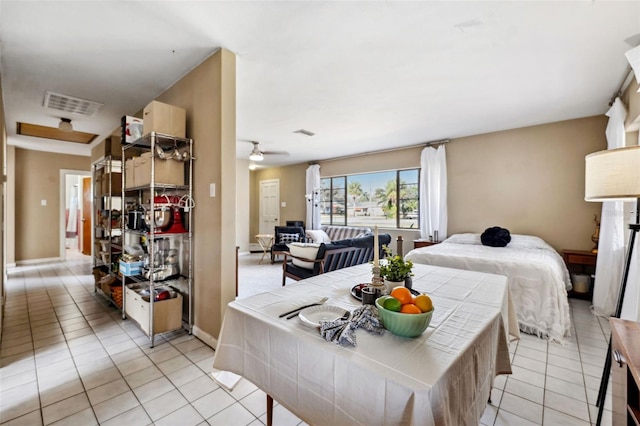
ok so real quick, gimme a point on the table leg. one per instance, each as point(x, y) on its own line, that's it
point(269, 410)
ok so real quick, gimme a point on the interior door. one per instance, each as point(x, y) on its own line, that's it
point(87, 208)
point(269, 205)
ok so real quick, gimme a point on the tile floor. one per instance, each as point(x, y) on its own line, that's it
point(66, 357)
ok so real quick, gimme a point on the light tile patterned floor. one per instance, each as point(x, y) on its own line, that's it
point(68, 358)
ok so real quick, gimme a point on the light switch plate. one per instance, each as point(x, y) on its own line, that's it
point(212, 190)
point(43, 202)
point(283, 204)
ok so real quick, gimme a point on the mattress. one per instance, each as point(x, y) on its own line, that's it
point(537, 276)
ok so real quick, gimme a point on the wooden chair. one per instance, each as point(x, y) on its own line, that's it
point(327, 260)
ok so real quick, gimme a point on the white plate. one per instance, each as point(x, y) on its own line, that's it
point(312, 316)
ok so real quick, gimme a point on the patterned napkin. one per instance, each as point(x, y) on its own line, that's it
point(343, 332)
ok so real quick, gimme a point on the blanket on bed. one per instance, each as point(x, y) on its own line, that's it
point(537, 276)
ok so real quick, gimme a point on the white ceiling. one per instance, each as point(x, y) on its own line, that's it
point(363, 76)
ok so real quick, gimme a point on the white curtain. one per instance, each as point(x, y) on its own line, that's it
point(313, 197)
point(611, 246)
point(433, 193)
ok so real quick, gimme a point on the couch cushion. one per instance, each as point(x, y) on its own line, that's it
point(318, 236)
point(336, 232)
point(288, 238)
point(305, 250)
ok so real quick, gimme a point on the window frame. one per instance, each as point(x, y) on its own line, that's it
point(345, 188)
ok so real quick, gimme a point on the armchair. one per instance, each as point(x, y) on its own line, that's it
point(284, 235)
point(307, 260)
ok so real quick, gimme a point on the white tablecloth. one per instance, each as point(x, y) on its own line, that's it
point(443, 376)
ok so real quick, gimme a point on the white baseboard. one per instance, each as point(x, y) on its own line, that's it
point(11, 265)
point(38, 261)
point(255, 248)
point(205, 337)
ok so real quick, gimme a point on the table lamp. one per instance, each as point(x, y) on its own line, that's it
point(614, 175)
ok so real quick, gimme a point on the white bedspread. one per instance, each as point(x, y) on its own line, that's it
point(538, 278)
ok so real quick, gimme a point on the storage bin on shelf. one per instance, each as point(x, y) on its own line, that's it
point(168, 171)
point(167, 314)
point(130, 268)
point(164, 118)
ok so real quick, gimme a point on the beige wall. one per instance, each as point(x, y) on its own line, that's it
point(208, 95)
point(37, 177)
point(10, 219)
point(292, 190)
point(529, 180)
point(3, 207)
point(242, 205)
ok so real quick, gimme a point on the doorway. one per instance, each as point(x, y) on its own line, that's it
point(269, 205)
point(76, 201)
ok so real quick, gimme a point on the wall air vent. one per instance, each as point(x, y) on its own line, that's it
point(70, 104)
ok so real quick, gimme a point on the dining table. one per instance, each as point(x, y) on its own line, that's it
point(442, 377)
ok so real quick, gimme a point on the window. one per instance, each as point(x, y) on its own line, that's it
point(387, 199)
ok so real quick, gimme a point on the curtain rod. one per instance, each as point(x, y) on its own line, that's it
point(344, 157)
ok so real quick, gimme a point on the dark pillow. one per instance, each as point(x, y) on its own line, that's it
point(495, 237)
point(289, 238)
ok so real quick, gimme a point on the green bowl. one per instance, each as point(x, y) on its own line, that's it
point(403, 325)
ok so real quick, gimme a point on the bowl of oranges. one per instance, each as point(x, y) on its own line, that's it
point(403, 314)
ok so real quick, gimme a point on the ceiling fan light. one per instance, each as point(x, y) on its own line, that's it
point(256, 156)
point(65, 125)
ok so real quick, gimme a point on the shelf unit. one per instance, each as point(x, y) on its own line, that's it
point(161, 182)
point(107, 231)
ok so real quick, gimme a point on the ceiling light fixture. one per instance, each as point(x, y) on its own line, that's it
point(256, 154)
point(65, 125)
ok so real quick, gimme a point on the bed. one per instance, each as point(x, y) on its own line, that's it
point(537, 276)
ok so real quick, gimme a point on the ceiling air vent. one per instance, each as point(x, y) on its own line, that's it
point(304, 132)
point(70, 104)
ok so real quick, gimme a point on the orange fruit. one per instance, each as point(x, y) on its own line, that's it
point(402, 294)
point(424, 303)
point(410, 308)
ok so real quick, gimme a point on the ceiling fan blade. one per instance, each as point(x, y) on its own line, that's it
point(285, 153)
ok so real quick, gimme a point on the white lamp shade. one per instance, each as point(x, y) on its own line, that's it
point(613, 174)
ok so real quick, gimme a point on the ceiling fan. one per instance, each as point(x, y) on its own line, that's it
point(258, 155)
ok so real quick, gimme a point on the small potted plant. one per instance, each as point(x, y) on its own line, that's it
point(395, 270)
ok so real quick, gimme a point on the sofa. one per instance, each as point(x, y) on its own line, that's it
point(328, 233)
point(304, 260)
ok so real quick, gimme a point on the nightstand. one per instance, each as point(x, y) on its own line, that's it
point(581, 262)
point(423, 243)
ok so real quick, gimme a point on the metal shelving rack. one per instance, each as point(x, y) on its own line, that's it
point(105, 202)
point(162, 145)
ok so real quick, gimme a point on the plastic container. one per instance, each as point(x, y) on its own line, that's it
point(581, 282)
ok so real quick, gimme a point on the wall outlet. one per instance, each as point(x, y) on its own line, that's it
point(212, 190)
point(43, 202)
point(283, 204)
